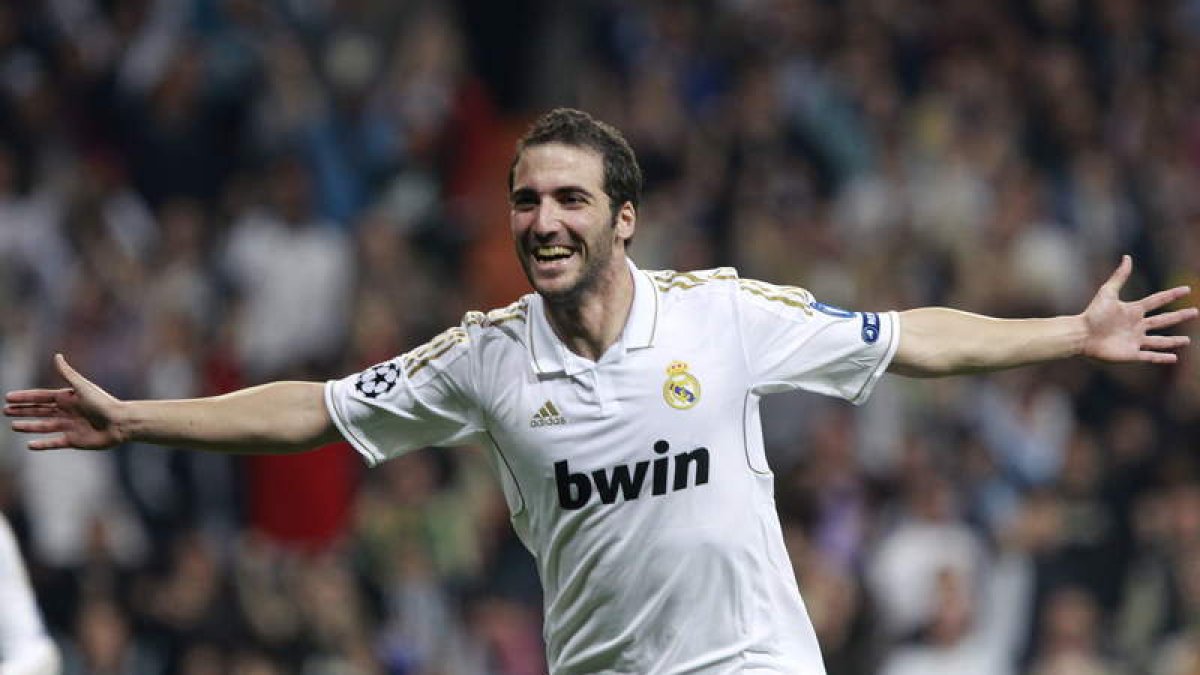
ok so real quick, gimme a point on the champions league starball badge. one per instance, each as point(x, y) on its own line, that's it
point(681, 390)
point(378, 380)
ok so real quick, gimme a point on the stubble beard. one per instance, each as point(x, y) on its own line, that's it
point(591, 277)
point(588, 282)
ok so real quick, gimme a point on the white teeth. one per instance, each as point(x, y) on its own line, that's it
point(543, 252)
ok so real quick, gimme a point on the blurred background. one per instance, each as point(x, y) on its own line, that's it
point(198, 195)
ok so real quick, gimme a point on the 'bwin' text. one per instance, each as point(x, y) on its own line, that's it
point(626, 482)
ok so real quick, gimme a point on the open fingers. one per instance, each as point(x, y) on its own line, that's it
point(39, 426)
point(1164, 342)
point(1158, 357)
point(56, 442)
point(31, 410)
point(34, 395)
point(1163, 298)
point(1168, 319)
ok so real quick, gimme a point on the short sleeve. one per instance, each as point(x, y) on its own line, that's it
point(416, 400)
point(792, 341)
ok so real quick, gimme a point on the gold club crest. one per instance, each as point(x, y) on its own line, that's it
point(681, 390)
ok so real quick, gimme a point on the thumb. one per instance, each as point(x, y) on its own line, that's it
point(69, 374)
point(1120, 275)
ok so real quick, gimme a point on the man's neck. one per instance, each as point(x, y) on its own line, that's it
point(589, 325)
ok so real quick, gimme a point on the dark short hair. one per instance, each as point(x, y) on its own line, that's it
point(622, 175)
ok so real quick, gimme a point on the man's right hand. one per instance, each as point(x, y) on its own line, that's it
point(81, 416)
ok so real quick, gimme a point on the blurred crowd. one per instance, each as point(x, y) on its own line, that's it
point(198, 195)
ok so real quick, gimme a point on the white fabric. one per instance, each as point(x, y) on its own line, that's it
point(684, 570)
point(25, 649)
point(903, 572)
point(296, 283)
point(62, 520)
point(992, 647)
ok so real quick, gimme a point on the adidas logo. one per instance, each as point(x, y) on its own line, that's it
point(547, 416)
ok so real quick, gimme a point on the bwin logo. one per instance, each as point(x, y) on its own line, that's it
point(575, 489)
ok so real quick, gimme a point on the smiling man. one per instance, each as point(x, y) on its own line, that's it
point(574, 193)
point(621, 409)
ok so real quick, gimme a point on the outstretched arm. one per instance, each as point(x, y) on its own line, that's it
point(279, 417)
point(936, 341)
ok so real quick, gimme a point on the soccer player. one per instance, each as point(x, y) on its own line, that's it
point(621, 409)
point(25, 648)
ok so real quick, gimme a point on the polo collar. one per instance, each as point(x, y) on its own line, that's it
point(549, 354)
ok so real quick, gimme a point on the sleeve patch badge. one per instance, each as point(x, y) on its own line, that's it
point(378, 380)
point(870, 327)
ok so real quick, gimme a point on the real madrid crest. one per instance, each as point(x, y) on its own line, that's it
point(681, 390)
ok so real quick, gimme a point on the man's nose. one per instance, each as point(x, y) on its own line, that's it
point(547, 220)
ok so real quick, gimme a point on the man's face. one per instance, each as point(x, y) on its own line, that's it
point(562, 222)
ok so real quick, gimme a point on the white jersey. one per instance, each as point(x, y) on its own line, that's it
point(25, 648)
point(638, 481)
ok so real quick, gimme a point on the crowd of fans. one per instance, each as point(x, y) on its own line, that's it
point(197, 195)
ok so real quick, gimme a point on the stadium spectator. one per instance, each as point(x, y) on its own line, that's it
point(575, 186)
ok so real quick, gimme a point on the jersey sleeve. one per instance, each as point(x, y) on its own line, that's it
point(792, 341)
point(416, 400)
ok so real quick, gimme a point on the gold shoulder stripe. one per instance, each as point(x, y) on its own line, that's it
point(496, 316)
point(665, 280)
point(418, 363)
point(661, 277)
point(774, 287)
point(784, 299)
point(511, 308)
point(438, 340)
point(514, 311)
point(452, 334)
point(678, 284)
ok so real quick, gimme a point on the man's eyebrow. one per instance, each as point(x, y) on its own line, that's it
point(573, 189)
point(525, 192)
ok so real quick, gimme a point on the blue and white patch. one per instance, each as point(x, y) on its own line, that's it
point(870, 327)
point(837, 312)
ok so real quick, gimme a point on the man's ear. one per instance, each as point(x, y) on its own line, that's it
point(626, 223)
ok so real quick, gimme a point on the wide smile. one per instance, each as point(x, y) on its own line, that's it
point(552, 256)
